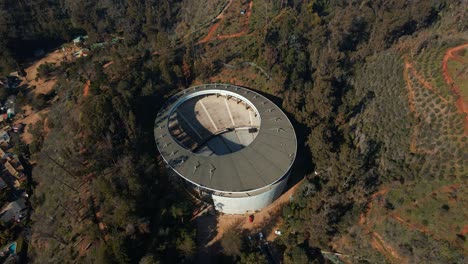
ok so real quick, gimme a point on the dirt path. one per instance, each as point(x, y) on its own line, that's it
point(410, 87)
point(378, 242)
point(376, 239)
point(220, 18)
point(213, 28)
point(221, 14)
point(363, 217)
point(245, 27)
point(389, 252)
point(462, 103)
point(465, 230)
point(420, 228)
point(395, 215)
point(110, 63)
point(86, 88)
point(210, 33)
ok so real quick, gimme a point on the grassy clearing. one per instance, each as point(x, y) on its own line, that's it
point(442, 213)
point(410, 242)
point(234, 21)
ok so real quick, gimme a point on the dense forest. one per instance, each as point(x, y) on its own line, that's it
point(340, 69)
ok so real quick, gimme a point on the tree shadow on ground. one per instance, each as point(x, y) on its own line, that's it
point(206, 231)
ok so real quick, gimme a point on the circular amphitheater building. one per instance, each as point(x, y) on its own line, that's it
point(227, 144)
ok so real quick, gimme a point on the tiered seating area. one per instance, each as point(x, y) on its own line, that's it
point(214, 124)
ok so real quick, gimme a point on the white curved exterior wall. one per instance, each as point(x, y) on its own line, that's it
point(248, 204)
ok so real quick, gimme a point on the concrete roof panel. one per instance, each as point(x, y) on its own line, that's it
point(256, 166)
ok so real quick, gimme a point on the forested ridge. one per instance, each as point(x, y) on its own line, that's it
point(381, 142)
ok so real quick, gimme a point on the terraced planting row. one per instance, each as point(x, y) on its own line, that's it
point(414, 118)
point(429, 64)
point(440, 131)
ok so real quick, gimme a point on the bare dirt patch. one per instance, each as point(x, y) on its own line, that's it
point(40, 86)
point(210, 33)
point(44, 86)
point(30, 118)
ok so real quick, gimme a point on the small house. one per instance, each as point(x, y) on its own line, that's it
point(11, 169)
point(15, 73)
point(14, 211)
point(4, 83)
point(11, 112)
point(18, 128)
point(79, 40)
point(4, 137)
point(81, 53)
point(9, 82)
point(10, 102)
point(3, 154)
point(14, 167)
point(6, 128)
point(3, 184)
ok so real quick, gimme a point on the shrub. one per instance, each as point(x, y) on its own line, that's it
point(45, 69)
point(39, 102)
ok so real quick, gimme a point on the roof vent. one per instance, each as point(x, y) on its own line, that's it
point(196, 166)
point(212, 170)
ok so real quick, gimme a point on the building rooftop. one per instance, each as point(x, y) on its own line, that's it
point(225, 138)
point(3, 184)
point(13, 211)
